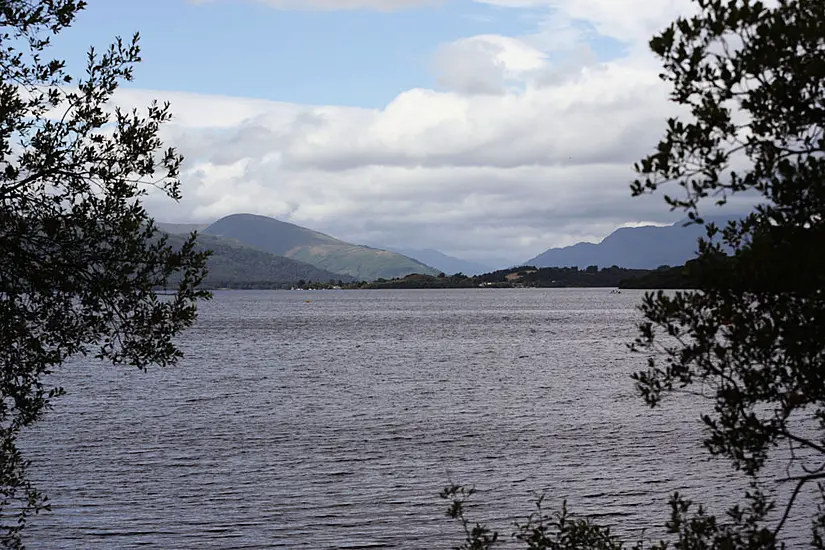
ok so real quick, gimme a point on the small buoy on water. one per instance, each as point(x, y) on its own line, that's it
point(307, 301)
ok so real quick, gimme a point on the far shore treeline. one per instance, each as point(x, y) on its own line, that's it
point(664, 277)
point(548, 277)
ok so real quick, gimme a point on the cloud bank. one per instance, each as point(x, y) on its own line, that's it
point(519, 150)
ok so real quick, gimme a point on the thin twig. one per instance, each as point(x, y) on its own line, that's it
point(801, 481)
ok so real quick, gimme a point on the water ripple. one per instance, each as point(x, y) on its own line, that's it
point(335, 423)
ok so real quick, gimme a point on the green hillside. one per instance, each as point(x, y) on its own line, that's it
point(317, 249)
point(235, 266)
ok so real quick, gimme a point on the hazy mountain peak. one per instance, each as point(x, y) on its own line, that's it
point(643, 247)
point(444, 262)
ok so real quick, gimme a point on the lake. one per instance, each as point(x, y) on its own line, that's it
point(332, 419)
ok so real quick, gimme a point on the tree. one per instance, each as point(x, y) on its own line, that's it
point(80, 259)
point(752, 78)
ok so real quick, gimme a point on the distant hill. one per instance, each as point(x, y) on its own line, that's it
point(322, 251)
point(444, 263)
point(646, 247)
point(235, 266)
point(181, 228)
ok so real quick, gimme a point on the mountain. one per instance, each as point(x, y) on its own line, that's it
point(446, 264)
point(236, 266)
point(646, 247)
point(322, 251)
point(181, 228)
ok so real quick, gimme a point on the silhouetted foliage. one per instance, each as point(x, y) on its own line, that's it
point(665, 277)
point(752, 337)
point(690, 527)
point(80, 259)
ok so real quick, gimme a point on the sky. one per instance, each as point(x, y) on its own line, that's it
point(488, 129)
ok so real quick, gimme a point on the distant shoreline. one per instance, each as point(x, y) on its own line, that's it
point(614, 277)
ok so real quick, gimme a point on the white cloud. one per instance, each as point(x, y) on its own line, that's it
point(520, 151)
point(488, 64)
point(475, 175)
point(628, 21)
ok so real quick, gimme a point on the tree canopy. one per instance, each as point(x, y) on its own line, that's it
point(81, 261)
point(752, 338)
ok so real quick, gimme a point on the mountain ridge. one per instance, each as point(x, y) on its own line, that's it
point(315, 248)
point(643, 247)
point(232, 265)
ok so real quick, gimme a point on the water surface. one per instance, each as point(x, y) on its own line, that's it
point(332, 420)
